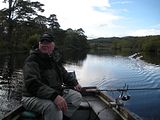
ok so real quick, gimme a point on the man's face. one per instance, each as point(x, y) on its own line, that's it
point(46, 47)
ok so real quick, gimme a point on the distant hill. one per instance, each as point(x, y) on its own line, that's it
point(146, 43)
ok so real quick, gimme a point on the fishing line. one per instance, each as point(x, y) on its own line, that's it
point(131, 89)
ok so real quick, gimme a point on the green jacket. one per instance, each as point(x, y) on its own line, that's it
point(44, 76)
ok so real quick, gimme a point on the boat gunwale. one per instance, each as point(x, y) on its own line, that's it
point(121, 110)
point(13, 113)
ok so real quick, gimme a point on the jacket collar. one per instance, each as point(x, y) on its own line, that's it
point(55, 56)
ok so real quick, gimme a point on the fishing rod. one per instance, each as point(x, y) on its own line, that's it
point(126, 88)
point(124, 96)
point(130, 89)
point(124, 92)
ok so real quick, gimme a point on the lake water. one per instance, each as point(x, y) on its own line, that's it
point(113, 72)
point(106, 72)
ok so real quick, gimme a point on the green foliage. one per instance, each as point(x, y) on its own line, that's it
point(152, 45)
point(16, 19)
point(147, 43)
point(59, 35)
point(32, 40)
point(75, 39)
point(21, 27)
point(52, 22)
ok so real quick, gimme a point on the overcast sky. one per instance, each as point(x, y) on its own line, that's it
point(106, 18)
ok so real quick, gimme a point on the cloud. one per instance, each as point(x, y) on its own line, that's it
point(145, 32)
point(121, 2)
point(89, 15)
point(98, 18)
point(93, 16)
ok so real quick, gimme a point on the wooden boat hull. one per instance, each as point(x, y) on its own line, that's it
point(95, 106)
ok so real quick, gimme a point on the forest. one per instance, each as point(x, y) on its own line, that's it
point(129, 43)
point(22, 23)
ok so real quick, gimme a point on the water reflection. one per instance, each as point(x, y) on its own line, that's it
point(151, 58)
point(6, 73)
point(146, 56)
point(10, 82)
point(74, 57)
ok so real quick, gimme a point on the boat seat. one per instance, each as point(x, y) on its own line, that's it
point(84, 105)
point(28, 115)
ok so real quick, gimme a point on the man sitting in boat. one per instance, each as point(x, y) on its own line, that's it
point(44, 76)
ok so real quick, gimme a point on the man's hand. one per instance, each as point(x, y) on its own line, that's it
point(78, 87)
point(61, 103)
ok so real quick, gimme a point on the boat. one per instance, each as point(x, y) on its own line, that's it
point(96, 105)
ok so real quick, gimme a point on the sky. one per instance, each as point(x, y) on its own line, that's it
point(106, 18)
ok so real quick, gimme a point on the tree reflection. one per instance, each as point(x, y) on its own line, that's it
point(148, 57)
point(74, 57)
point(7, 71)
point(151, 58)
point(10, 83)
point(9, 80)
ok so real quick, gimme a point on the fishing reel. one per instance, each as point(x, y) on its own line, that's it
point(124, 96)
